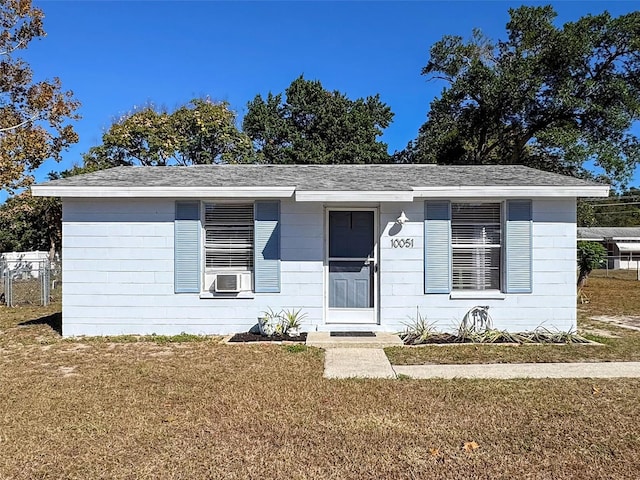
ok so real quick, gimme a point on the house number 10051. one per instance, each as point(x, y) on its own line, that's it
point(402, 243)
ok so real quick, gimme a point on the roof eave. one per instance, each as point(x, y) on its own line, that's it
point(354, 196)
point(461, 191)
point(160, 192)
point(512, 191)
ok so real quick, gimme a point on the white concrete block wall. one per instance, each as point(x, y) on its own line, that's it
point(118, 273)
point(552, 304)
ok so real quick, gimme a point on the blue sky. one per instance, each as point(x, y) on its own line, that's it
point(116, 55)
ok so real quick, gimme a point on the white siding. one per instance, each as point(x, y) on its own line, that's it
point(552, 303)
point(118, 273)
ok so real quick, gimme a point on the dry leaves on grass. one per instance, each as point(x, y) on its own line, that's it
point(470, 446)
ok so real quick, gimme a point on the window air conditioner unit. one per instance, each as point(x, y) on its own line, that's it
point(227, 283)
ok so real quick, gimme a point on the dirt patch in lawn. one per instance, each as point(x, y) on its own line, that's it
point(622, 321)
point(598, 332)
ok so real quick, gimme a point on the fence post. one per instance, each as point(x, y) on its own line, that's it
point(45, 281)
point(8, 288)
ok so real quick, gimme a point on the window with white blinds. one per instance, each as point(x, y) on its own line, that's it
point(229, 235)
point(475, 246)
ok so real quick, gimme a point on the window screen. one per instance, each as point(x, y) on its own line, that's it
point(475, 242)
point(229, 235)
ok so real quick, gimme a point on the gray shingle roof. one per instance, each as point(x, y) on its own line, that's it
point(323, 177)
point(593, 233)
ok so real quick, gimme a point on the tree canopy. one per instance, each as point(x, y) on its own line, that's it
point(33, 114)
point(314, 125)
point(552, 98)
point(618, 210)
point(200, 132)
point(30, 223)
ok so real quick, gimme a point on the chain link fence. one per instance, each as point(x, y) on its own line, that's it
point(626, 267)
point(29, 282)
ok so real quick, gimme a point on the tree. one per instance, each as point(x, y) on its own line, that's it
point(200, 132)
point(314, 125)
point(590, 255)
point(33, 114)
point(31, 223)
point(618, 210)
point(552, 98)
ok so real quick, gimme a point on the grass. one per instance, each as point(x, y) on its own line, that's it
point(103, 409)
point(183, 407)
point(616, 294)
point(158, 339)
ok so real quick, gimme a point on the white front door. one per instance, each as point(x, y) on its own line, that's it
point(352, 265)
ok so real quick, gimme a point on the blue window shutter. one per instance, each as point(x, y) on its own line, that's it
point(187, 232)
point(267, 247)
point(437, 247)
point(518, 252)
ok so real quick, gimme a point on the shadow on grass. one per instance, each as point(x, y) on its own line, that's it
point(54, 321)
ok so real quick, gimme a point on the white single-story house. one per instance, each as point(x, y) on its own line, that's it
point(206, 249)
point(622, 244)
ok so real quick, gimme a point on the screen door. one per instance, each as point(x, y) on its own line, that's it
point(352, 266)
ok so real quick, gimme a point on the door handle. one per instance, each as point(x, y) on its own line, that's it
point(372, 261)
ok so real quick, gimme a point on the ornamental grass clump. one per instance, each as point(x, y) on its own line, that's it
point(418, 330)
point(544, 335)
point(292, 321)
point(477, 327)
point(488, 335)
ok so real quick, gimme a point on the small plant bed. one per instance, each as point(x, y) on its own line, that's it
point(476, 327)
point(491, 336)
point(282, 326)
point(256, 337)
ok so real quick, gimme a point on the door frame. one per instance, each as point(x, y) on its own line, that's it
point(376, 272)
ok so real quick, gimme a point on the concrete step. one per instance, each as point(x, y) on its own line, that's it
point(325, 340)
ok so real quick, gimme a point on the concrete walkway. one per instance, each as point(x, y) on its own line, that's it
point(373, 363)
point(364, 357)
point(523, 370)
point(357, 362)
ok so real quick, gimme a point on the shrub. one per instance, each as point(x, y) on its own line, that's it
point(591, 255)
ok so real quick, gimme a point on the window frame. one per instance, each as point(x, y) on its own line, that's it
point(470, 247)
point(244, 271)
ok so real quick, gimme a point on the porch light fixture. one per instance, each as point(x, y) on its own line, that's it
point(402, 219)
